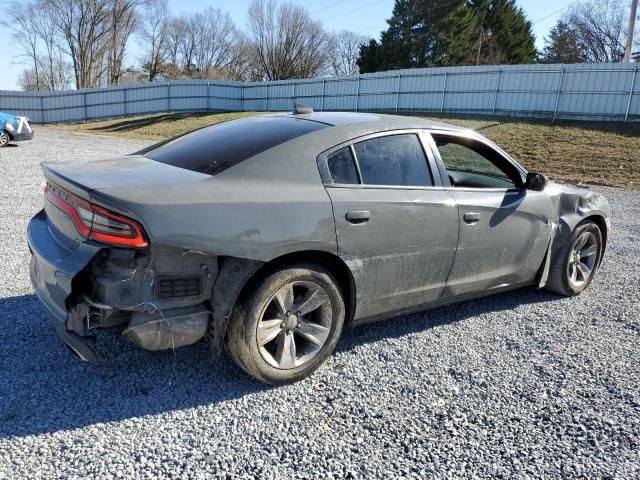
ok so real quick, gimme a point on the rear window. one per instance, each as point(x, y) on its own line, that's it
point(213, 149)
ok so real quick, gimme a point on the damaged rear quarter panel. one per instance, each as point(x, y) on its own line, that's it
point(265, 207)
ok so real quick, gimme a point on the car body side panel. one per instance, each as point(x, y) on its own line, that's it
point(572, 205)
point(401, 257)
point(507, 244)
point(260, 209)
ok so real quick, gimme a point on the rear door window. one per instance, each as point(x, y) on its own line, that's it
point(393, 160)
point(342, 167)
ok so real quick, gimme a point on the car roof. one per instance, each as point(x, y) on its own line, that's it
point(373, 121)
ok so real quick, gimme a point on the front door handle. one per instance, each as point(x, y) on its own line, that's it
point(471, 218)
point(358, 216)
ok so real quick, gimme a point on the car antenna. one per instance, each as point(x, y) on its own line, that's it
point(300, 109)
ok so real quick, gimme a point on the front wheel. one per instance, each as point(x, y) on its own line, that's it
point(575, 264)
point(4, 139)
point(288, 326)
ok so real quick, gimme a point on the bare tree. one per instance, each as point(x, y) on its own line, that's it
point(345, 48)
point(217, 39)
point(287, 42)
point(184, 45)
point(85, 28)
point(23, 22)
point(123, 21)
point(600, 27)
point(55, 67)
point(154, 35)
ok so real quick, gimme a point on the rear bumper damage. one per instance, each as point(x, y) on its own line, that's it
point(159, 298)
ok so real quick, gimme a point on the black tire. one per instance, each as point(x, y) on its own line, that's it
point(560, 278)
point(4, 139)
point(251, 319)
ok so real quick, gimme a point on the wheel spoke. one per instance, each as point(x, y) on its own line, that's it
point(584, 271)
point(268, 330)
point(313, 299)
point(581, 241)
point(286, 353)
point(573, 273)
point(589, 251)
point(283, 299)
point(315, 333)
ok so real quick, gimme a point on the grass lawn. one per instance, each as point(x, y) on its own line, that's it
point(596, 153)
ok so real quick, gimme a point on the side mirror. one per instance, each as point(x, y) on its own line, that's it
point(535, 182)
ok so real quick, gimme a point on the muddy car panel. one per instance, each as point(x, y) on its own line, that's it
point(208, 234)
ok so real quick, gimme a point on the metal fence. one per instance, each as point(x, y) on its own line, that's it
point(582, 92)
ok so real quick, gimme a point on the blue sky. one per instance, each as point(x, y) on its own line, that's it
point(364, 16)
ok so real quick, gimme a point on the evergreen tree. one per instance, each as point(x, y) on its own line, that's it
point(425, 33)
point(416, 36)
point(460, 28)
point(502, 34)
point(562, 46)
point(371, 58)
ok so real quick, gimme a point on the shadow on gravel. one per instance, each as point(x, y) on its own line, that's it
point(44, 389)
point(136, 123)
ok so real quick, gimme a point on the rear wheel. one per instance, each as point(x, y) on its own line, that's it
point(576, 263)
point(288, 326)
point(4, 139)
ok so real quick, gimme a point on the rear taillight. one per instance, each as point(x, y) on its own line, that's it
point(95, 222)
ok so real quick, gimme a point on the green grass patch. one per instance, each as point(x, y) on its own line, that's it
point(603, 153)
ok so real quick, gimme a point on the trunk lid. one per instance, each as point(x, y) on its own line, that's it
point(112, 184)
point(83, 177)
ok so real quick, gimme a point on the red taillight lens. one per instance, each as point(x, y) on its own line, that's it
point(95, 222)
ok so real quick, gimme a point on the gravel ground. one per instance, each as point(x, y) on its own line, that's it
point(522, 384)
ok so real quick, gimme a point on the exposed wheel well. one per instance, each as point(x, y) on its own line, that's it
point(602, 224)
point(599, 220)
point(331, 262)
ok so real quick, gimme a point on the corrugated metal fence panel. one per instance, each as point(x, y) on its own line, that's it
point(590, 92)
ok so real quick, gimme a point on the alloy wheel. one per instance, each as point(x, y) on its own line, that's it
point(582, 259)
point(295, 325)
point(4, 139)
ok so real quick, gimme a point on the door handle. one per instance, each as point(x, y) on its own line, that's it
point(358, 216)
point(471, 218)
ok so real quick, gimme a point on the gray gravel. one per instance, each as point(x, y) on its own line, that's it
point(523, 384)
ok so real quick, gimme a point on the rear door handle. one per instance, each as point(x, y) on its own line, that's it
point(471, 218)
point(358, 216)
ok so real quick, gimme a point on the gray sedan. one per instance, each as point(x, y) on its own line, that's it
point(269, 234)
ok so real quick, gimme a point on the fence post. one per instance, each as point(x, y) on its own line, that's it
point(444, 91)
point(495, 97)
point(41, 107)
point(398, 92)
point(242, 106)
point(125, 100)
point(168, 97)
point(358, 95)
point(555, 108)
point(633, 84)
point(323, 86)
point(84, 105)
point(208, 95)
point(293, 93)
point(267, 87)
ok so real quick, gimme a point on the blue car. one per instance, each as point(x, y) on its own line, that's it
point(14, 129)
